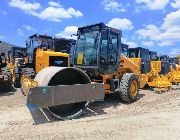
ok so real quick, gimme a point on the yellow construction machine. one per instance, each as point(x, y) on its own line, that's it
point(98, 69)
point(40, 54)
point(5, 74)
point(174, 71)
point(151, 67)
point(13, 62)
point(17, 59)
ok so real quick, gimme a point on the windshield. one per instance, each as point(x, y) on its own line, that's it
point(145, 55)
point(86, 50)
point(42, 42)
point(125, 51)
point(132, 54)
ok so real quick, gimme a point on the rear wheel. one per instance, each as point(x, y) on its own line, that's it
point(129, 88)
point(29, 72)
point(7, 71)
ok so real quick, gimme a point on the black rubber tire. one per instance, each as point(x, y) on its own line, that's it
point(29, 72)
point(124, 89)
point(17, 78)
point(7, 85)
point(8, 72)
point(17, 81)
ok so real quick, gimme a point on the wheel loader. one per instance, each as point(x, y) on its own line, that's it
point(99, 68)
point(18, 59)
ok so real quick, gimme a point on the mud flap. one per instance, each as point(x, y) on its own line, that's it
point(65, 94)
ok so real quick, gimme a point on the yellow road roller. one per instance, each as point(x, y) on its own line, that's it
point(99, 68)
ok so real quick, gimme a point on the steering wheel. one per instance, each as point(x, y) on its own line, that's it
point(112, 60)
point(102, 60)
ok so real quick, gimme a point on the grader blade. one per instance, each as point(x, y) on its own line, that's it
point(161, 82)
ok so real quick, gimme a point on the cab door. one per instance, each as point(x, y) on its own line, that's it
point(113, 51)
point(109, 51)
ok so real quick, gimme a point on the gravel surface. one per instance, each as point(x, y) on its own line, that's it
point(153, 116)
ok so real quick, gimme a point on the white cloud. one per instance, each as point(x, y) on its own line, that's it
point(172, 20)
point(131, 44)
point(166, 43)
point(54, 4)
point(174, 52)
point(3, 12)
point(176, 4)
point(112, 5)
point(55, 12)
point(29, 28)
point(20, 32)
point(121, 24)
point(167, 34)
point(148, 43)
point(24, 5)
point(68, 31)
point(150, 31)
point(154, 4)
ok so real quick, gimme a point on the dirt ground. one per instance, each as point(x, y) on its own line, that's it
point(153, 116)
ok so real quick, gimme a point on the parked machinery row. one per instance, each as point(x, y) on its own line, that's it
point(99, 68)
point(22, 60)
point(161, 71)
point(101, 65)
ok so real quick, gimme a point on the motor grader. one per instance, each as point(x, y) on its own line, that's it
point(14, 61)
point(17, 59)
point(170, 68)
point(151, 67)
point(98, 69)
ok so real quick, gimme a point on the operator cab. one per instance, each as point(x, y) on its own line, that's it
point(66, 46)
point(142, 53)
point(153, 56)
point(173, 60)
point(43, 46)
point(18, 55)
point(165, 64)
point(139, 52)
point(38, 41)
point(98, 49)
